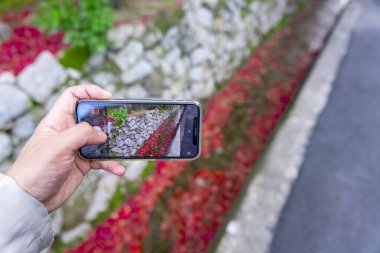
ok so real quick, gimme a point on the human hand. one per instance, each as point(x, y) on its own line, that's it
point(49, 167)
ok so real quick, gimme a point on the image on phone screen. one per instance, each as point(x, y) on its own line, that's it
point(138, 130)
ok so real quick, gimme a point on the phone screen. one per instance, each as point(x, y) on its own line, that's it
point(143, 129)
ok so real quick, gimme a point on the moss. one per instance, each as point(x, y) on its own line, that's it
point(75, 57)
point(148, 170)
point(165, 21)
point(132, 187)
point(32, 103)
point(12, 5)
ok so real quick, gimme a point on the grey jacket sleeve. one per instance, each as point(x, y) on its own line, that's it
point(25, 224)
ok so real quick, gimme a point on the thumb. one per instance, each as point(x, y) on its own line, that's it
point(80, 135)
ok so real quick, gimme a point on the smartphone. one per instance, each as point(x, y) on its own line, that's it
point(145, 129)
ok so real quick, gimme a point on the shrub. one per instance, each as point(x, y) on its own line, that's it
point(119, 115)
point(85, 22)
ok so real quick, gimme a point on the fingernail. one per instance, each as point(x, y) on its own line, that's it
point(109, 94)
point(100, 131)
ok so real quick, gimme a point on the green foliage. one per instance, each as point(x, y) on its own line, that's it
point(148, 170)
point(12, 5)
point(168, 18)
point(118, 114)
point(85, 22)
point(277, 27)
point(32, 104)
point(132, 187)
point(75, 57)
point(163, 108)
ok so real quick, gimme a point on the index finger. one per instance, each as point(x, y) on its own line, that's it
point(66, 102)
point(61, 115)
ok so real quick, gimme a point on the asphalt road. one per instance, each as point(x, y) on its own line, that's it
point(335, 203)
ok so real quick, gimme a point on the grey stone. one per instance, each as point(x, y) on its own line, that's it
point(136, 92)
point(151, 39)
point(202, 90)
point(117, 150)
point(7, 78)
point(105, 189)
point(14, 102)
point(129, 55)
point(171, 38)
point(141, 70)
point(5, 146)
point(166, 68)
point(75, 233)
point(135, 169)
point(73, 73)
point(153, 84)
point(153, 58)
point(5, 32)
point(140, 141)
point(196, 74)
point(139, 31)
point(119, 35)
point(119, 143)
point(181, 68)
point(129, 142)
point(24, 127)
point(211, 3)
point(173, 56)
point(201, 55)
point(132, 123)
point(96, 60)
point(204, 17)
point(104, 78)
point(42, 77)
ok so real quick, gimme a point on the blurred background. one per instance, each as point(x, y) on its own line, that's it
point(289, 90)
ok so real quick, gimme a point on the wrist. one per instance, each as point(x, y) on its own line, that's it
point(27, 216)
point(22, 184)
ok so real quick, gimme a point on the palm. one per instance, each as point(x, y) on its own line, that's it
point(59, 169)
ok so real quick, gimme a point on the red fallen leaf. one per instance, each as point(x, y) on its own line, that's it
point(24, 47)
